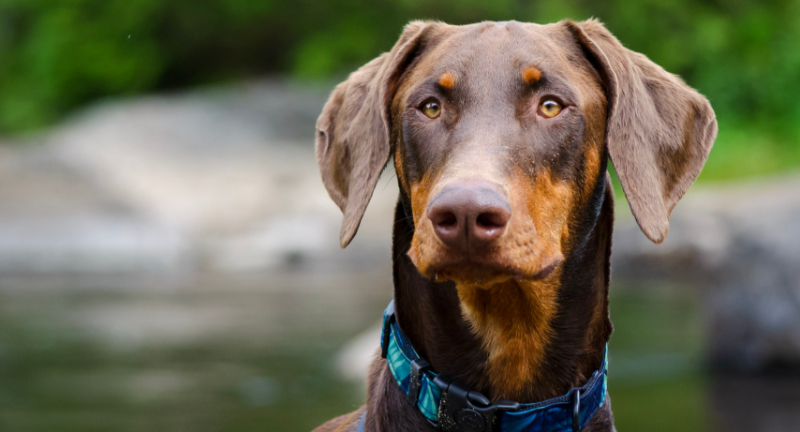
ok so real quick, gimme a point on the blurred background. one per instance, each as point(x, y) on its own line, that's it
point(169, 258)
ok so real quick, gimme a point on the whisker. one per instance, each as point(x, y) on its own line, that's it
point(394, 176)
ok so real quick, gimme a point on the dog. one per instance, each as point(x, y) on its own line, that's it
point(500, 133)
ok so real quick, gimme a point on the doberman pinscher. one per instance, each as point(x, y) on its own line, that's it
point(500, 134)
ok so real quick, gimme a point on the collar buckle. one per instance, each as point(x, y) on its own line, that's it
point(463, 410)
point(415, 379)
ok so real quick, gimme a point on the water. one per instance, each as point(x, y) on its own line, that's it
point(657, 379)
point(256, 353)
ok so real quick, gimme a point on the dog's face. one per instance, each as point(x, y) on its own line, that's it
point(500, 134)
point(498, 142)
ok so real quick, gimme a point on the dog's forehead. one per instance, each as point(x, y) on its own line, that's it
point(500, 50)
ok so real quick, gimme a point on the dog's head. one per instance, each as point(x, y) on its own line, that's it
point(500, 134)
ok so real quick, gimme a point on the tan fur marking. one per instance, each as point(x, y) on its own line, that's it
point(531, 74)
point(447, 80)
point(399, 170)
point(421, 246)
point(513, 319)
point(549, 204)
point(591, 159)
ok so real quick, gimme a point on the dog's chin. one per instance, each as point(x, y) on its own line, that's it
point(486, 273)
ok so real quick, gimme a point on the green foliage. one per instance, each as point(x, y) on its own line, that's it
point(57, 54)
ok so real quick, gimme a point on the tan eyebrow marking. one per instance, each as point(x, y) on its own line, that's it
point(447, 80)
point(531, 74)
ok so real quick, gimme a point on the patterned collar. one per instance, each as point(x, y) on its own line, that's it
point(452, 407)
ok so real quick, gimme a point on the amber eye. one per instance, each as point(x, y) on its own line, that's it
point(431, 108)
point(550, 107)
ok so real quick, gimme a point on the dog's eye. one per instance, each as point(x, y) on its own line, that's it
point(431, 108)
point(550, 107)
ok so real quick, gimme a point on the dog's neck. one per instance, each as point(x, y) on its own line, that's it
point(518, 341)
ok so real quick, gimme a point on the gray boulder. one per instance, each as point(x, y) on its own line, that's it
point(740, 245)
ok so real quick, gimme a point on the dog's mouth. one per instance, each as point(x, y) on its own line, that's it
point(485, 270)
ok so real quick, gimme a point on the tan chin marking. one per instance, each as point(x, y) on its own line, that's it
point(479, 279)
point(513, 321)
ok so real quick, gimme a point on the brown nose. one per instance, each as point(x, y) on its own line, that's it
point(469, 215)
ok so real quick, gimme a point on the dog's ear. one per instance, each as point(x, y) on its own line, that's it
point(659, 130)
point(352, 141)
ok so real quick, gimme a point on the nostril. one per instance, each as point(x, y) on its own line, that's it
point(491, 220)
point(446, 220)
point(446, 226)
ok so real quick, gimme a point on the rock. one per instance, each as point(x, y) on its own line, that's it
point(55, 220)
point(755, 403)
point(355, 357)
point(91, 244)
point(222, 179)
point(738, 243)
point(213, 162)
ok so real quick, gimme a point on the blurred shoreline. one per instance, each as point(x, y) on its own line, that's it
point(144, 229)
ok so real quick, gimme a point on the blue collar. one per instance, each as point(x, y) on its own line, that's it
point(451, 406)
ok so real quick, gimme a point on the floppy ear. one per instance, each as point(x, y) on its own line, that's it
point(352, 140)
point(659, 130)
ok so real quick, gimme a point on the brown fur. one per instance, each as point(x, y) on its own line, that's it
point(525, 317)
